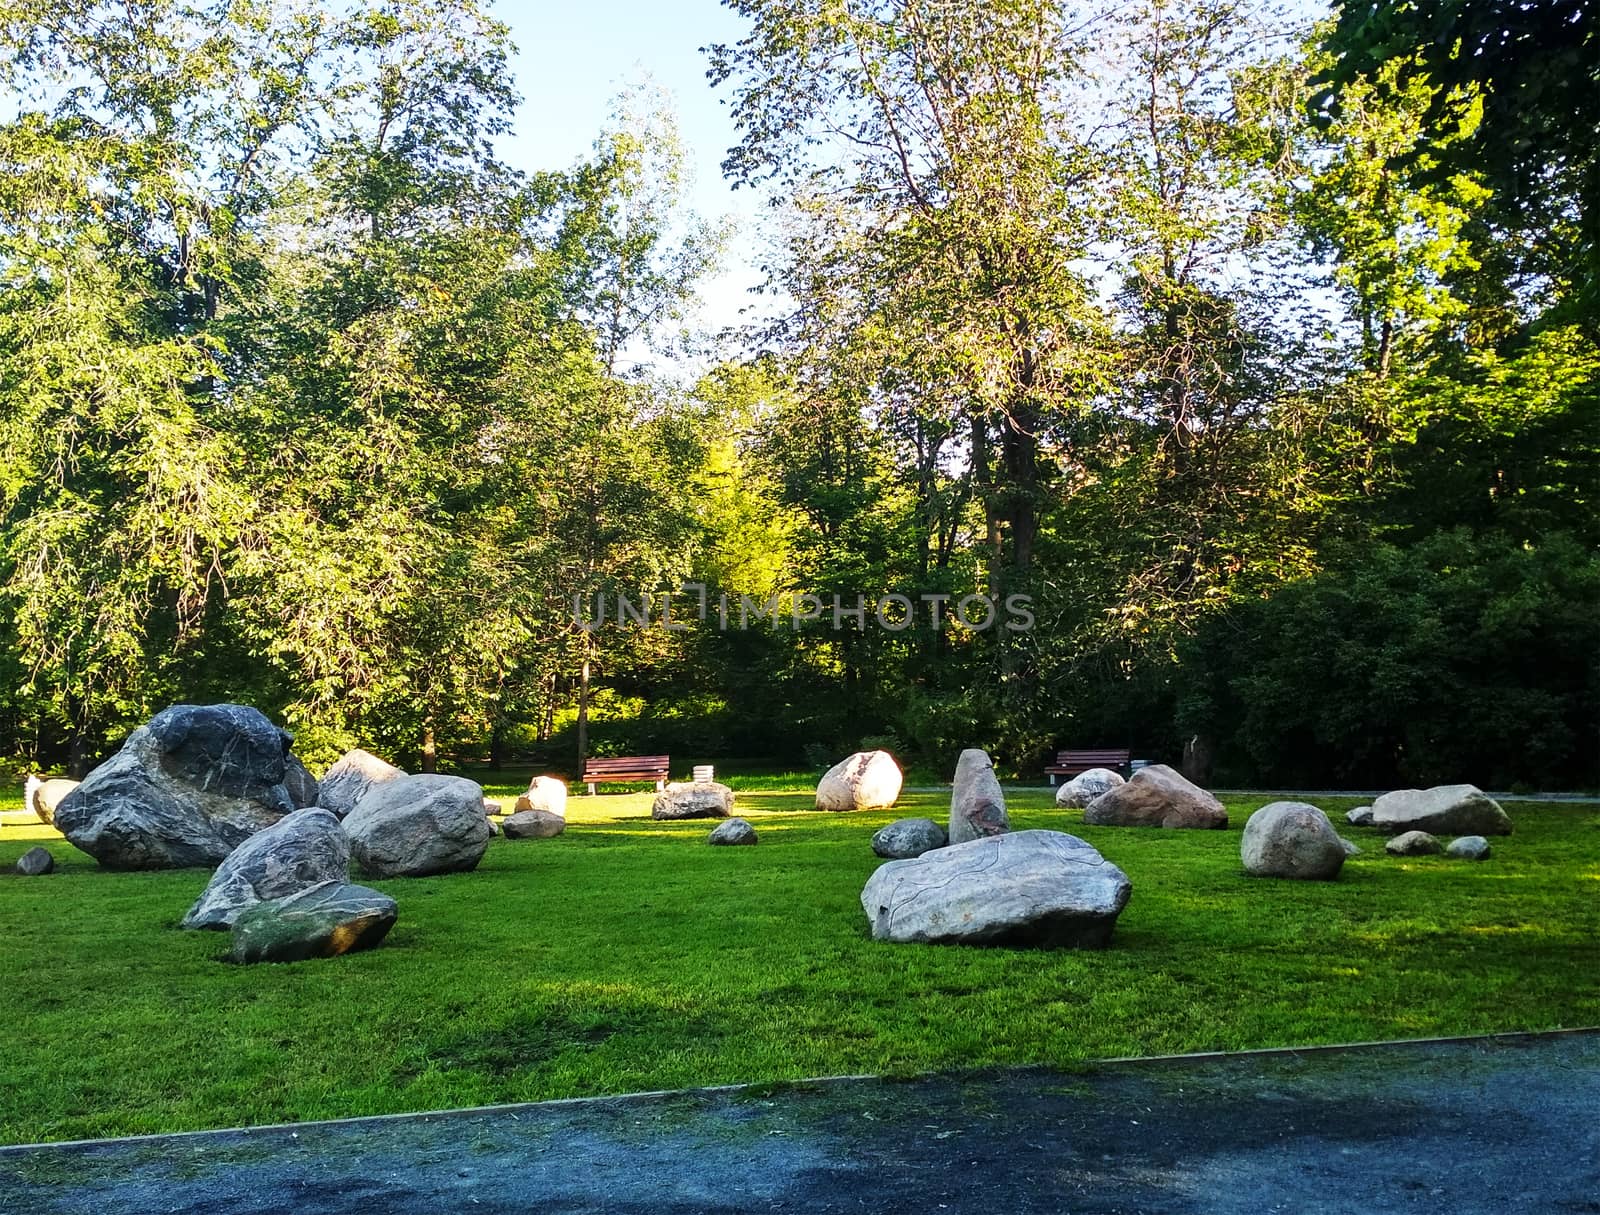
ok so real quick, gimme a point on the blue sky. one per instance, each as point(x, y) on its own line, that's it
point(574, 57)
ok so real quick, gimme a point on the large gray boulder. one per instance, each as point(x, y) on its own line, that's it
point(533, 825)
point(187, 788)
point(301, 785)
point(1157, 796)
point(908, 837)
point(1086, 786)
point(321, 921)
point(977, 806)
point(414, 826)
point(546, 793)
point(43, 794)
point(687, 799)
point(300, 850)
point(348, 781)
point(733, 832)
point(1291, 840)
point(1442, 810)
point(1020, 888)
point(868, 780)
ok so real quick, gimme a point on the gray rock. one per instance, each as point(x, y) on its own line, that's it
point(1350, 848)
point(413, 826)
point(1412, 843)
point(1086, 786)
point(318, 922)
point(547, 793)
point(303, 849)
point(868, 780)
point(348, 781)
point(1443, 809)
point(1469, 848)
point(1157, 796)
point(494, 827)
point(1361, 816)
point(533, 825)
point(1291, 840)
point(492, 807)
point(187, 788)
point(734, 831)
point(685, 799)
point(1019, 888)
point(43, 794)
point(35, 862)
point(977, 805)
point(908, 837)
point(298, 781)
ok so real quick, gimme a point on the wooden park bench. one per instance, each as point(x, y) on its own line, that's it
point(626, 768)
point(1071, 763)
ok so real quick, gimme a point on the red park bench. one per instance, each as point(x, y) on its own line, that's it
point(626, 768)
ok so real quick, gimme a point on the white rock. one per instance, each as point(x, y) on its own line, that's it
point(868, 780)
point(546, 793)
point(1443, 809)
point(1086, 786)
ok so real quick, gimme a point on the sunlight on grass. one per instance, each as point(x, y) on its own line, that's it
point(626, 955)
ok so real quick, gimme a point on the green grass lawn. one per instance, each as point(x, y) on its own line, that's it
point(628, 955)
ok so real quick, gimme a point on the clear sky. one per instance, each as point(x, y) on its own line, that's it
point(575, 56)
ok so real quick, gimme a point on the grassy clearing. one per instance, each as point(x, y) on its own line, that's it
point(627, 955)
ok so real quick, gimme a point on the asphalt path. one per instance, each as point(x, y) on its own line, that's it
point(1510, 1124)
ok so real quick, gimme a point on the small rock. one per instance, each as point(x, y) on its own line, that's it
point(494, 828)
point(1469, 848)
point(1361, 816)
point(492, 807)
point(1412, 843)
point(43, 794)
point(734, 831)
point(533, 825)
point(908, 837)
point(1349, 847)
point(35, 862)
point(318, 922)
point(1086, 786)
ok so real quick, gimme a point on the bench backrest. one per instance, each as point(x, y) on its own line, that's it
point(1105, 757)
point(625, 767)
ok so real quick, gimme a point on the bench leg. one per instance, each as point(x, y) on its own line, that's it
point(661, 786)
point(1052, 780)
point(591, 788)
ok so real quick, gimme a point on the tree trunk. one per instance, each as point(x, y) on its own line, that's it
point(583, 710)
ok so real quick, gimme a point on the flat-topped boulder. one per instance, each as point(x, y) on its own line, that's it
point(1086, 786)
point(690, 799)
point(868, 780)
point(355, 773)
point(1157, 796)
point(732, 833)
point(1040, 888)
point(908, 837)
point(301, 850)
point(1291, 840)
point(977, 804)
point(533, 825)
point(42, 794)
point(414, 826)
point(187, 788)
point(545, 793)
point(1441, 810)
point(320, 921)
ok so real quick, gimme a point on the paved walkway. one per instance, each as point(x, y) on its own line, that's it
point(1490, 1126)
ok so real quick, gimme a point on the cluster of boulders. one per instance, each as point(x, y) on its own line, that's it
point(1414, 818)
point(980, 883)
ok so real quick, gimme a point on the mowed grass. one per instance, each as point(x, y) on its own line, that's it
point(628, 955)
